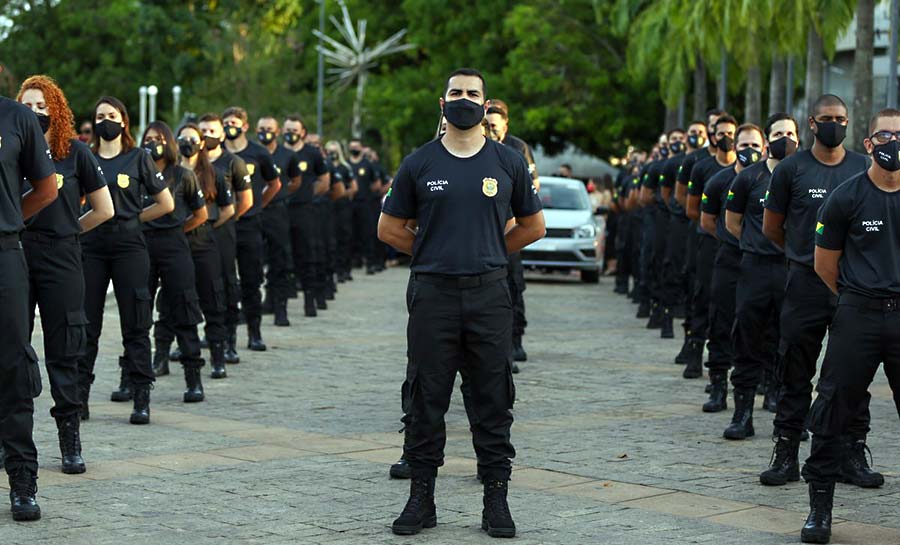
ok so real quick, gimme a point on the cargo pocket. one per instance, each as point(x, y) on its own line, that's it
point(822, 418)
point(187, 308)
point(76, 335)
point(33, 374)
point(143, 308)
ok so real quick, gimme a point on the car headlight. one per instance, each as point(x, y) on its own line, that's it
point(586, 231)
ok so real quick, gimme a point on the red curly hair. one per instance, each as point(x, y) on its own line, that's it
point(62, 122)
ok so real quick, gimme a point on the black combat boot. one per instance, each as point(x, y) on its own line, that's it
point(84, 394)
point(621, 285)
point(309, 304)
point(330, 288)
point(784, 467)
point(194, 391)
point(718, 392)
point(70, 444)
point(141, 412)
point(231, 355)
point(773, 392)
point(682, 357)
point(643, 310)
point(217, 360)
point(741, 426)
point(268, 304)
point(401, 470)
point(161, 359)
point(666, 328)
point(419, 511)
point(855, 469)
point(321, 304)
point(23, 495)
point(123, 393)
point(694, 360)
point(254, 336)
point(818, 524)
point(496, 519)
point(679, 311)
point(281, 315)
point(518, 350)
point(656, 315)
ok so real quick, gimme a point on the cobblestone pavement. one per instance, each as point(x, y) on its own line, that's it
point(294, 446)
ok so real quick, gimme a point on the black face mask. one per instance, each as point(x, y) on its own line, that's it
point(355, 153)
point(233, 132)
point(44, 122)
point(664, 151)
point(188, 148)
point(748, 156)
point(333, 155)
point(887, 156)
point(676, 147)
point(830, 133)
point(696, 141)
point(211, 142)
point(155, 150)
point(291, 138)
point(265, 137)
point(108, 129)
point(726, 144)
point(781, 148)
point(463, 113)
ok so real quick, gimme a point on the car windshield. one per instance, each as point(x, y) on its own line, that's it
point(563, 197)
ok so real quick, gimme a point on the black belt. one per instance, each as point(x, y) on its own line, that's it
point(461, 282)
point(276, 204)
point(870, 303)
point(10, 242)
point(43, 237)
point(117, 226)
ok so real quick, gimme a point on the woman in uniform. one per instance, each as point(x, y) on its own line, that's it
point(117, 251)
point(53, 252)
point(343, 209)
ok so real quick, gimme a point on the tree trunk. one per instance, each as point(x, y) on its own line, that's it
point(753, 96)
point(723, 83)
point(813, 87)
point(700, 105)
point(776, 85)
point(358, 104)
point(862, 72)
point(671, 118)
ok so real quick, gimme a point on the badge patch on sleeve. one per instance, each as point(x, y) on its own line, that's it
point(59, 181)
point(820, 228)
point(251, 168)
point(489, 187)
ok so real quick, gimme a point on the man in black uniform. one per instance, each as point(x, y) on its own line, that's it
point(369, 186)
point(649, 304)
point(858, 258)
point(265, 184)
point(798, 188)
point(277, 221)
point(459, 189)
point(23, 155)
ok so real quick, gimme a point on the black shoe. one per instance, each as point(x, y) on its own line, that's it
point(643, 310)
point(254, 337)
point(175, 355)
point(309, 304)
point(23, 495)
point(621, 288)
point(370, 271)
point(656, 316)
point(804, 436)
point(419, 511)
point(141, 412)
point(321, 304)
point(693, 360)
point(349, 276)
point(855, 469)
point(84, 394)
point(231, 355)
point(818, 524)
point(281, 315)
point(784, 466)
point(718, 392)
point(515, 368)
point(708, 388)
point(401, 470)
point(70, 444)
point(204, 344)
point(123, 392)
point(496, 519)
point(667, 330)
point(161, 359)
point(217, 360)
point(194, 391)
point(518, 350)
point(741, 426)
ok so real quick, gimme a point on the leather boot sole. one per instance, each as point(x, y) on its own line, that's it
point(776, 478)
point(815, 536)
point(139, 419)
point(73, 469)
point(497, 532)
point(25, 515)
point(120, 396)
point(738, 435)
point(873, 482)
point(403, 530)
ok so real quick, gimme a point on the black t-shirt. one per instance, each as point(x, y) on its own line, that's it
point(233, 170)
point(748, 197)
point(341, 173)
point(130, 176)
point(23, 155)
point(703, 171)
point(713, 200)
point(311, 165)
point(683, 176)
point(461, 206)
point(864, 222)
point(519, 145)
point(76, 175)
point(287, 167)
point(224, 197)
point(365, 175)
point(186, 193)
point(667, 178)
point(261, 170)
point(799, 186)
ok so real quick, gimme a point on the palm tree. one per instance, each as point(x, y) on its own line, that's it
point(862, 72)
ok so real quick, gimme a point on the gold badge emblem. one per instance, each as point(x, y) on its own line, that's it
point(362, 172)
point(123, 180)
point(489, 187)
point(59, 181)
point(251, 168)
point(303, 166)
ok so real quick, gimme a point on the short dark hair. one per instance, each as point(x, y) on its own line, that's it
point(775, 118)
point(748, 127)
point(826, 101)
point(238, 112)
point(676, 129)
point(725, 118)
point(354, 139)
point(466, 72)
point(170, 148)
point(210, 117)
point(696, 122)
point(887, 112)
point(714, 111)
point(499, 107)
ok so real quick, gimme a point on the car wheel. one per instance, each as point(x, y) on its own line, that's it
point(590, 277)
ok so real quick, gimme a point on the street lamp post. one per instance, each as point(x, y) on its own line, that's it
point(892, 55)
point(152, 91)
point(320, 87)
point(176, 103)
point(142, 91)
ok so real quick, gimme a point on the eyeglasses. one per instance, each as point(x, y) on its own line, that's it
point(883, 137)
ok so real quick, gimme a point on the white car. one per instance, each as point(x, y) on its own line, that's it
point(575, 233)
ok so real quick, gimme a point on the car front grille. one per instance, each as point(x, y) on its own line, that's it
point(549, 256)
point(559, 233)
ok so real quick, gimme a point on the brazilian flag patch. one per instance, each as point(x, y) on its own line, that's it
point(820, 228)
point(690, 184)
point(390, 190)
point(730, 195)
point(704, 198)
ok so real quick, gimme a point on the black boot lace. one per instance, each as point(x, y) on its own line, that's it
point(418, 498)
point(858, 451)
point(70, 437)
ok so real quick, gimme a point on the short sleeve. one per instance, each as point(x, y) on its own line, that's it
point(151, 178)
point(696, 180)
point(778, 197)
point(736, 201)
point(87, 169)
point(833, 224)
point(711, 199)
point(401, 199)
point(529, 160)
point(193, 195)
point(35, 160)
point(267, 167)
point(684, 170)
point(524, 200)
point(667, 179)
point(224, 197)
point(319, 166)
point(240, 176)
point(293, 167)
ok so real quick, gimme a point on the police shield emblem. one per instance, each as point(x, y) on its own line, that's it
point(251, 168)
point(59, 181)
point(362, 172)
point(123, 180)
point(303, 166)
point(489, 187)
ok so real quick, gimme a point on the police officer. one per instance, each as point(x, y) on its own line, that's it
point(857, 256)
point(323, 206)
point(334, 198)
point(306, 231)
point(460, 264)
point(649, 304)
point(171, 263)
point(798, 188)
point(277, 221)
point(117, 251)
point(233, 171)
point(363, 223)
point(265, 184)
point(760, 287)
point(53, 253)
point(380, 249)
point(343, 209)
point(23, 155)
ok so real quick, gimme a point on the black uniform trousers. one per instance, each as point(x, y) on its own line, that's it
point(658, 253)
point(277, 234)
point(363, 234)
point(806, 314)
point(380, 249)
point(698, 326)
point(864, 333)
point(226, 241)
point(56, 287)
point(117, 251)
point(250, 264)
point(672, 267)
point(517, 291)
point(21, 376)
point(635, 233)
point(303, 227)
point(648, 236)
point(622, 250)
point(343, 230)
point(459, 323)
point(320, 230)
point(758, 300)
point(726, 272)
point(178, 306)
point(690, 272)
